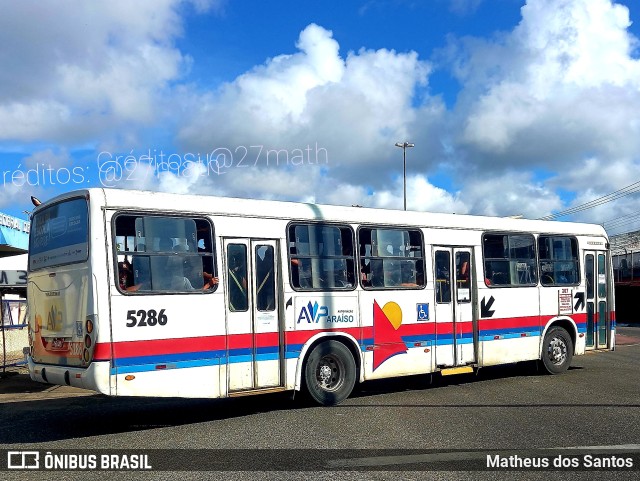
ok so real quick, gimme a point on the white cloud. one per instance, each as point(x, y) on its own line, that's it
point(421, 196)
point(564, 78)
point(558, 96)
point(510, 194)
point(534, 97)
point(70, 70)
point(354, 108)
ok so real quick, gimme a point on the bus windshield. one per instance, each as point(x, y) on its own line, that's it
point(59, 235)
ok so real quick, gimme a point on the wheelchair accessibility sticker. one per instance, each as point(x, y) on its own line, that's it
point(423, 311)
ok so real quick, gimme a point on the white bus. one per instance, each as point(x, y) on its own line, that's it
point(136, 293)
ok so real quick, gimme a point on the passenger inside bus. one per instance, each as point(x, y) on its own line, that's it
point(194, 269)
point(463, 275)
point(125, 274)
point(173, 278)
point(488, 274)
point(301, 275)
point(443, 283)
point(170, 277)
point(365, 272)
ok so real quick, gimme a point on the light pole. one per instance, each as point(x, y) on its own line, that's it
point(404, 146)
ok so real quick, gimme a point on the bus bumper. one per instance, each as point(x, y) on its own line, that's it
point(95, 377)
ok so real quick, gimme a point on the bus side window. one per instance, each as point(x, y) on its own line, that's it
point(160, 248)
point(509, 259)
point(321, 256)
point(391, 258)
point(558, 260)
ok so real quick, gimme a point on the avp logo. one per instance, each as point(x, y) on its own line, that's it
point(23, 460)
point(313, 313)
point(54, 319)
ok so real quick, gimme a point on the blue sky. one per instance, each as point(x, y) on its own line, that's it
point(515, 107)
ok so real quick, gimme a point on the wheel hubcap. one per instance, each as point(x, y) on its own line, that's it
point(329, 373)
point(325, 374)
point(557, 350)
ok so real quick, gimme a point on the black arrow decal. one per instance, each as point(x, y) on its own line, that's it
point(485, 309)
point(580, 301)
point(289, 302)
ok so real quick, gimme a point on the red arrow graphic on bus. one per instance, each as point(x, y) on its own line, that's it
point(386, 339)
point(485, 308)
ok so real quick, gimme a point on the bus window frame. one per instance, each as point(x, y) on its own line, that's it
point(213, 254)
point(397, 228)
point(536, 266)
point(579, 277)
point(338, 225)
point(62, 201)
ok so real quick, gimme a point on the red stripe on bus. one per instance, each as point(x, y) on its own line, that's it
point(167, 346)
point(241, 341)
point(238, 341)
point(507, 322)
point(300, 337)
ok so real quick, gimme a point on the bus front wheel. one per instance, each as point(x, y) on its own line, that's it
point(330, 373)
point(557, 350)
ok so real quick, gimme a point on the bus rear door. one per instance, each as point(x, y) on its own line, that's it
point(254, 334)
point(455, 331)
point(598, 321)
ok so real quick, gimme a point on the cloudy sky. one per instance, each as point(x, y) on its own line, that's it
point(514, 107)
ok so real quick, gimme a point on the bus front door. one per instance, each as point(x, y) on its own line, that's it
point(595, 266)
point(252, 293)
point(455, 333)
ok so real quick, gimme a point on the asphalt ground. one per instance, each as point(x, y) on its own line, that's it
point(17, 386)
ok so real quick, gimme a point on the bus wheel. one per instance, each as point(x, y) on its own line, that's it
point(557, 350)
point(330, 373)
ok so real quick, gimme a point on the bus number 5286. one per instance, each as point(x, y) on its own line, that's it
point(146, 318)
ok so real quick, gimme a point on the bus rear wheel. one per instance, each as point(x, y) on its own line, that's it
point(557, 350)
point(330, 373)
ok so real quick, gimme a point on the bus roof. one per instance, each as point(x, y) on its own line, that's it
point(212, 205)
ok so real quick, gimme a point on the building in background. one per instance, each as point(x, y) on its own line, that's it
point(14, 243)
point(625, 253)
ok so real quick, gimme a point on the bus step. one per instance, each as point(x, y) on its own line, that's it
point(264, 390)
point(456, 370)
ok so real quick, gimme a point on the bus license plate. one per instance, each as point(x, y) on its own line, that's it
point(57, 344)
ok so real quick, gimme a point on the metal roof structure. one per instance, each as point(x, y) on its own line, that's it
point(625, 243)
point(14, 235)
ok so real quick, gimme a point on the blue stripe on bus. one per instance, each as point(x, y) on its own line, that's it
point(292, 351)
point(529, 330)
point(151, 362)
point(262, 354)
point(153, 367)
point(247, 351)
point(507, 335)
point(235, 355)
point(164, 358)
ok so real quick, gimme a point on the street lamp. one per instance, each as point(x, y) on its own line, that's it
point(404, 146)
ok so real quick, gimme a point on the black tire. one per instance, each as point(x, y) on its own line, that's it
point(557, 350)
point(330, 373)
